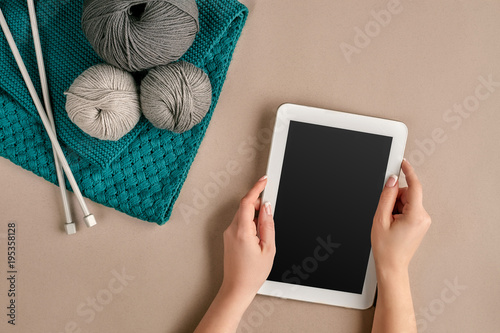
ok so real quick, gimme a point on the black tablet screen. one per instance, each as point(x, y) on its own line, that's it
point(328, 193)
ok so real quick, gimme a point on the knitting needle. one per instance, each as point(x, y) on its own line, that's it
point(70, 226)
point(88, 217)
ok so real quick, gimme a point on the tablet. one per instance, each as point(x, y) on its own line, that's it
point(326, 171)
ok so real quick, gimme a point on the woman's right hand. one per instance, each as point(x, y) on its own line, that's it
point(399, 224)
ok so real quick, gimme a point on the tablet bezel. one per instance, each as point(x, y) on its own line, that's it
point(292, 112)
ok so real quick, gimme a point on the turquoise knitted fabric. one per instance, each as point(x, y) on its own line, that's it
point(140, 174)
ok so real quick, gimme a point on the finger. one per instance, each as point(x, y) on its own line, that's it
point(402, 195)
point(414, 194)
point(247, 203)
point(257, 204)
point(252, 195)
point(383, 214)
point(256, 226)
point(266, 227)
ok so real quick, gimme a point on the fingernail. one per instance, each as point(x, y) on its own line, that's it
point(392, 181)
point(267, 207)
point(263, 178)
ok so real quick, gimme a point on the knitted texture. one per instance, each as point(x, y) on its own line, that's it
point(142, 173)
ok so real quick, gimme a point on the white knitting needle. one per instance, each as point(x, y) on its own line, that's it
point(88, 217)
point(70, 226)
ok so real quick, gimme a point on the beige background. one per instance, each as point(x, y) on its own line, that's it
point(427, 59)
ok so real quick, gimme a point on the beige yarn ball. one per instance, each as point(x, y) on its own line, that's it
point(104, 102)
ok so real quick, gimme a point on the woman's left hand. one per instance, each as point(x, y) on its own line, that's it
point(249, 245)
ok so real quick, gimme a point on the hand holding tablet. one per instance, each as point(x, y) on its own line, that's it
point(399, 224)
point(249, 246)
point(249, 251)
point(326, 172)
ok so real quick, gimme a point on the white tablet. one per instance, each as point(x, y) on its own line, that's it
point(326, 171)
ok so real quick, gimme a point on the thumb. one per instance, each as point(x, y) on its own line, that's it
point(266, 227)
point(387, 201)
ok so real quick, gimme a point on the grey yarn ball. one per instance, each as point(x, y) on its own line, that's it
point(176, 96)
point(104, 102)
point(136, 35)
